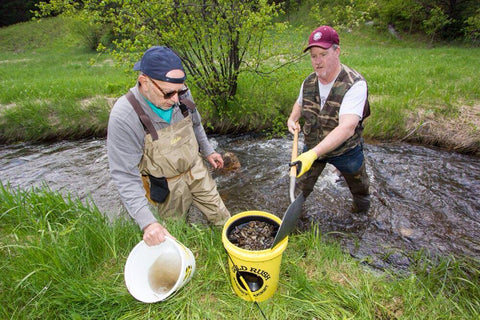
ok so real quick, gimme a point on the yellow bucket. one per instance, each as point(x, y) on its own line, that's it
point(254, 274)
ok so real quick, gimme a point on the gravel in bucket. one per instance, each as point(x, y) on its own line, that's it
point(253, 235)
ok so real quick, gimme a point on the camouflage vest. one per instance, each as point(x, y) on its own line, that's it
point(320, 122)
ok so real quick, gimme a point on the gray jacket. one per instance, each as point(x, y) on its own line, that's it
point(125, 141)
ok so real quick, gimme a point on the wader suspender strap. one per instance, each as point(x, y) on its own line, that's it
point(184, 104)
point(147, 123)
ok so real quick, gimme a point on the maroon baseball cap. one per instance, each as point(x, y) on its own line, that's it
point(323, 37)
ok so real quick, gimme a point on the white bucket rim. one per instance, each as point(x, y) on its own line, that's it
point(142, 257)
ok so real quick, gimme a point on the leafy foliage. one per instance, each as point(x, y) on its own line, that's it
point(472, 30)
point(440, 19)
point(216, 39)
point(345, 14)
point(437, 19)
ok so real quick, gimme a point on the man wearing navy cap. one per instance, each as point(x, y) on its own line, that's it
point(333, 102)
point(155, 141)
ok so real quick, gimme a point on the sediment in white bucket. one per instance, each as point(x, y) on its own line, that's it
point(155, 273)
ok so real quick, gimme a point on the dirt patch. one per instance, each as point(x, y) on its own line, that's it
point(84, 103)
point(7, 106)
point(459, 133)
point(92, 100)
point(14, 60)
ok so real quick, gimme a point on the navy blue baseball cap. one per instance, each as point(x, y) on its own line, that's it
point(158, 61)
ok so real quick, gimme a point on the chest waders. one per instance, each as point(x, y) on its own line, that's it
point(172, 154)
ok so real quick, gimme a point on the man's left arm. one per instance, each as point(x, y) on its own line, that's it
point(349, 117)
point(350, 113)
point(206, 148)
point(345, 129)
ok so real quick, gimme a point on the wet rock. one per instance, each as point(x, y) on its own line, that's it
point(253, 235)
point(230, 163)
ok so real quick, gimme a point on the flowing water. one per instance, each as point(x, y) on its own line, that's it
point(422, 198)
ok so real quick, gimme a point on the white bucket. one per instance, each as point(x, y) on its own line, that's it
point(154, 273)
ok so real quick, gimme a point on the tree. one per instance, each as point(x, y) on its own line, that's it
point(216, 39)
point(436, 20)
point(472, 29)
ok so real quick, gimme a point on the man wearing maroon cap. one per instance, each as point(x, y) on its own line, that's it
point(333, 102)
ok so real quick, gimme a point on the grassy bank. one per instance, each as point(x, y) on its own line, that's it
point(52, 87)
point(61, 259)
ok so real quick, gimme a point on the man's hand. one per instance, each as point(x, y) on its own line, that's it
point(292, 126)
point(155, 234)
point(304, 161)
point(216, 160)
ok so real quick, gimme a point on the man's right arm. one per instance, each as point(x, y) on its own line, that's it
point(125, 148)
point(292, 122)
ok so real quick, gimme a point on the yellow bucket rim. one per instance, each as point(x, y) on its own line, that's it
point(258, 254)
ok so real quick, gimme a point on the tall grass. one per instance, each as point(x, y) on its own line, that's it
point(62, 259)
point(53, 87)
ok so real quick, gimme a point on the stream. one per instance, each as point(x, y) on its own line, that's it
point(422, 198)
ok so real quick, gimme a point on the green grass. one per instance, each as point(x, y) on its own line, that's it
point(53, 87)
point(62, 259)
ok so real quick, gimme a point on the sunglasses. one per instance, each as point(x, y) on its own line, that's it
point(168, 95)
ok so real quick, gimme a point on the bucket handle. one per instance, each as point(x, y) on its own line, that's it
point(244, 282)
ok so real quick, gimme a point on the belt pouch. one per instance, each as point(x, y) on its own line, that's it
point(158, 189)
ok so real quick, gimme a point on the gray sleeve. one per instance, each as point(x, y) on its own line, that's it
point(125, 140)
point(205, 147)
